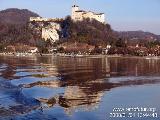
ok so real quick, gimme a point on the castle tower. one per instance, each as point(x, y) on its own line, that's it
point(79, 15)
point(74, 9)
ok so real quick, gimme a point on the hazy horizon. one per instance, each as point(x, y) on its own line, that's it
point(122, 16)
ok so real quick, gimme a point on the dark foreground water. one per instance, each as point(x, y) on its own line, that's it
point(57, 88)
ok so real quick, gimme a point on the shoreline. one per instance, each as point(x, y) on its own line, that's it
point(79, 56)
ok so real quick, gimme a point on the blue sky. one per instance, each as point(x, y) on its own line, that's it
point(122, 15)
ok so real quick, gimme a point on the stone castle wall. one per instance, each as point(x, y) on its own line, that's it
point(40, 19)
point(79, 15)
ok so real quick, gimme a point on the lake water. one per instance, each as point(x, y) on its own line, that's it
point(63, 88)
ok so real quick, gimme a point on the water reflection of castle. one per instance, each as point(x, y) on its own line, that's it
point(83, 84)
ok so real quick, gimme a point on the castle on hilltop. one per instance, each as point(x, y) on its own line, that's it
point(76, 15)
point(79, 15)
point(51, 31)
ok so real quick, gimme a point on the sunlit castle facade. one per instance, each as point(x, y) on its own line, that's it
point(79, 15)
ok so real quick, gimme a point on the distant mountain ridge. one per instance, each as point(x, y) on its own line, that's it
point(138, 35)
point(14, 27)
point(16, 16)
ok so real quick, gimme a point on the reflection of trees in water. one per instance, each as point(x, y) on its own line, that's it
point(82, 79)
point(85, 79)
point(12, 64)
point(134, 67)
point(31, 65)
